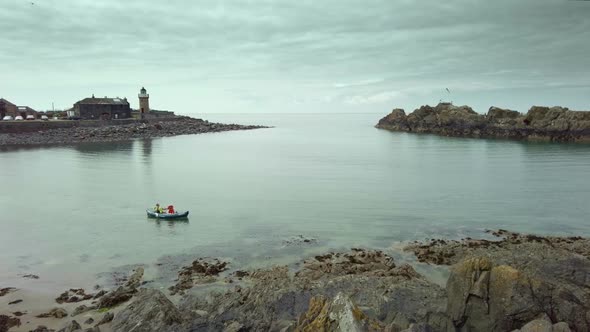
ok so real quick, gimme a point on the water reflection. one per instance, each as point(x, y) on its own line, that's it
point(99, 148)
point(146, 148)
point(170, 223)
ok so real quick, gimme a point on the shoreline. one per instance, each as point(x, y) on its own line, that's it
point(105, 132)
point(213, 295)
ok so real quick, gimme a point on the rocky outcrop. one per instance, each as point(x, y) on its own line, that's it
point(274, 299)
point(109, 132)
point(510, 248)
point(150, 311)
point(540, 123)
point(511, 282)
point(502, 285)
point(123, 293)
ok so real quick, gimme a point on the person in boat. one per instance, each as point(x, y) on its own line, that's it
point(158, 209)
point(171, 209)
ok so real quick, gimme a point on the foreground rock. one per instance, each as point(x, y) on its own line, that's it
point(337, 315)
point(274, 299)
point(71, 327)
point(540, 123)
point(55, 312)
point(110, 132)
point(501, 285)
point(123, 293)
point(150, 311)
point(509, 248)
point(514, 282)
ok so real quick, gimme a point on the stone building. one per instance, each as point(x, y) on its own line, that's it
point(7, 108)
point(102, 108)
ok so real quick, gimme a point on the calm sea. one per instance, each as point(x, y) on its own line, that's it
point(71, 213)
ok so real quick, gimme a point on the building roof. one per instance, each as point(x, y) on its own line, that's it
point(25, 108)
point(6, 102)
point(104, 101)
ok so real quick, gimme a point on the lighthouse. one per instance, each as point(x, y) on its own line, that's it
point(144, 102)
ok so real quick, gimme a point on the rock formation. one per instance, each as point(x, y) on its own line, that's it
point(150, 311)
point(556, 124)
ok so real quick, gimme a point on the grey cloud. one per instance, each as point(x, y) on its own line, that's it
point(324, 52)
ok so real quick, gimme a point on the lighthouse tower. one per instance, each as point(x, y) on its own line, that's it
point(144, 102)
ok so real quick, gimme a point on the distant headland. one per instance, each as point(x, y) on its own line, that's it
point(554, 124)
point(95, 119)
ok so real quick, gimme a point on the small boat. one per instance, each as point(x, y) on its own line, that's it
point(176, 215)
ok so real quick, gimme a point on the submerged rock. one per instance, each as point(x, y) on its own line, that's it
point(201, 271)
point(7, 322)
point(123, 293)
point(73, 295)
point(6, 290)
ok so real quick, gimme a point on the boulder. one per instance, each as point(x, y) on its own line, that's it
point(55, 312)
point(485, 297)
point(107, 318)
point(82, 309)
point(71, 326)
point(116, 297)
point(543, 324)
point(150, 311)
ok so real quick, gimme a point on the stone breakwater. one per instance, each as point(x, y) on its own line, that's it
point(557, 124)
point(512, 282)
point(119, 132)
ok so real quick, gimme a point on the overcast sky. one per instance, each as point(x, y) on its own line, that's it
point(297, 56)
